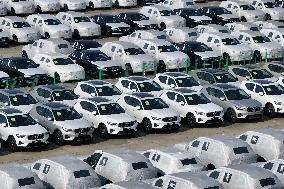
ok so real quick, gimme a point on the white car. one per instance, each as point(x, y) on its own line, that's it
point(18, 29)
point(47, 46)
point(46, 5)
point(245, 11)
point(49, 26)
point(81, 25)
point(60, 64)
point(182, 34)
point(163, 16)
point(179, 4)
point(261, 45)
point(108, 117)
point(73, 5)
point(212, 28)
point(19, 6)
point(3, 9)
point(131, 56)
point(94, 4)
point(193, 106)
point(144, 34)
point(19, 129)
point(239, 26)
point(269, 94)
point(269, 24)
point(93, 88)
point(227, 45)
point(138, 84)
point(171, 80)
point(151, 112)
point(124, 3)
point(274, 34)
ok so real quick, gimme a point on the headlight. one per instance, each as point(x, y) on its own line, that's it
point(20, 136)
point(156, 118)
point(110, 123)
point(199, 113)
point(278, 103)
point(240, 108)
point(66, 130)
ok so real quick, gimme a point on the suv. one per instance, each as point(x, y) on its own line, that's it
point(151, 112)
point(108, 117)
point(19, 7)
point(64, 123)
point(21, 130)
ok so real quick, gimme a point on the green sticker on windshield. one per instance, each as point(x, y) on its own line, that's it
point(179, 81)
point(142, 85)
point(100, 90)
point(15, 99)
point(58, 113)
point(57, 94)
point(103, 107)
point(161, 50)
point(255, 73)
point(55, 61)
point(147, 103)
point(190, 98)
point(269, 89)
point(13, 119)
point(218, 77)
point(127, 53)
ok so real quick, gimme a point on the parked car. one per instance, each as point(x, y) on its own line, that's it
point(138, 84)
point(3, 9)
point(20, 130)
point(47, 46)
point(219, 151)
point(182, 34)
point(228, 45)
point(274, 34)
point(268, 93)
point(179, 4)
point(237, 104)
point(151, 112)
point(93, 88)
point(49, 26)
point(108, 117)
point(64, 123)
point(132, 57)
point(4, 38)
point(124, 3)
point(94, 4)
point(172, 160)
point(54, 93)
point(200, 55)
point(80, 24)
point(46, 6)
point(145, 34)
point(137, 21)
point(193, 106)
point(111, 25)
point(65, 172)
point(17, 99)
point(276, 68)
point(79, 45)
point(18, 29)
point(269, 24)
point(244, 10)
point(176, 80)
point(17, 176)
point(163, 16)
point(128, 185)
point(73, 5)
point(239, 26)
point(212, 28)
point(133, 166)
point(193, 16)
point(94, 61)
point(267, 143)
point(19, 7)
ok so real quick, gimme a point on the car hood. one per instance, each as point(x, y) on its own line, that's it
point(173, 55)
point(200, 18)
point(118, 118)
point(32, 71)
point(73, 124)
point(208, 54)
point(205, 108)
point(161, 113)
point(28, 130)
point(144, 22)
point(246, 103)
point(69, 68)
point(227, 16)
point(109, 63)
point(118, 25)
point(138, 58)
point(28, 30)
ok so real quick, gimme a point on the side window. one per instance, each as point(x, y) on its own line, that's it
point(180, 98)
point(128, 100)
point(146, 45)
point(133, 86)
point(200, 75)
point(171, 82)
point(243, 137)
point(280, 168)
point(112, 49)
point(171, 95)
point(88, 106)
point(268, 166)
point(219, 94)
point(125, 83)
point(156, 157)
point(258, 89)
point(159, 183)
point(241, 37)
point(254, 139)
point(3, 119)
point(227, 177)
point(163, 79)
point(136, 102)
point(46, 169)
point(216, 41)
point(250, 86)
point(275, 68)
point(209, 78)
point(214, 174)
point(205, 146)
point(195, 143)
point(270, 34)
point(103, 161)
point(209, 39)
point(37, 166)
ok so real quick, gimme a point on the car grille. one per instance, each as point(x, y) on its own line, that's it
point(36, 136)
point(169, 119)
point(82, 130)
point(253, 109)
point(126, 124)
point(212, 114)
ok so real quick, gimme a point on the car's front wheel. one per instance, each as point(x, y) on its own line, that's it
point(12, 144)
point(46, 35)
point(91, 5)
point(103, 132)
point(256, 56)
point(269, 110)
point(15, 39)
point(267, 17)
point(58, 137)
point(38, 9)
point(128, 69)
point(243, 19)
point(231, 115)
point(65, 7)
point(77, 34)
point(13, 12)
point(147, 125)
point(24, 54)
point(190, 120)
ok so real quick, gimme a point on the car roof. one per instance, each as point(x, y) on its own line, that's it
point(55, 105)
point(45, 16)
point(224, 86)
point(142, 95)
point(124, 44)
point(251, 170)
point(213, 71)
point(99, 100)
point(11, 91)
point(69, 162)
point(96, 82)
point(158, 42)
point(135, 185)
point(14, 18)
point(137, 78)
point(9, 111)
point(15, 170)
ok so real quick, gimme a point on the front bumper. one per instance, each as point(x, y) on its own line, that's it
point(26, 143)
point(245, 114)
point(78, 135)
point(90, 32)
point(127, 3)
point(124, 130)
point(120, 31)
point(162, 125)
point(210, 119)
point(72, 76)
point(21, 10)
point(61, 34)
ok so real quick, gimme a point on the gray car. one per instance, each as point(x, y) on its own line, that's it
point(237, 104)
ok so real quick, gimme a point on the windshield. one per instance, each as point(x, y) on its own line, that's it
point(165, 13)
point(88, 45)
point(230, 41)
point(220, 10)
point(24, 64)
point(149, 86)
point(236, 94)
point(82, 19)
point(224, 78)
point(109, 109)
point(240, 150)
point(97, 56)
point(167, 48)
point(267, 182)
point(197, 47)
point(64, 95)
point(21, 25)
point(196, 99)
point(223, 31)
point(108, 90)
point(82, 173)
point(161, 37)
point(261, 39)
point(26, 181)
point(260, 74)
point(254, 28)
point(134, 51)
point(274, 90)
point(194, 12)
point(137, 17)
point(21, 120)
point(269, 4)
point(247, 7)
point(22, 99)
point(154, 104)
point(52, 22)
point(66, 114)
point(186, 82)
point(62, 61)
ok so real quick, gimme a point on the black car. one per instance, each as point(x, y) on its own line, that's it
point(193, 17)
point(111, 25)
point(137, 21)
point(25, 70)
point(200, 55)
point(94, 60)
point(79, 45)
point(220, 15)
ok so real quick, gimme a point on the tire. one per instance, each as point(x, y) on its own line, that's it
point(103, 132)
point(225, 56)
point(243, 19)
point(269, 110)
point(190, 120)
point(38, 9)
point(116, 4)
point(231, 116)
point(46, 35)
point(161, 67)
point(77, 34)
point(12, 144)
point(65, 7)
point(267, 17)
point(147, 125)
point(15, 39)
point(58, 137)
point(129, 69)
point(163, 26)
point(13, 12)
point(24, 54)
point(257, 56)
point(91, 5)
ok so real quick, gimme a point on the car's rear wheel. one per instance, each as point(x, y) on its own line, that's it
point(65, 7)
point(58, 137)
point(147, 125)
point(256, 56)
point(190, 120)
point(103, 132)
point(24, 54)
point(161, 67)
point(116, 4)
point(267, 17)
point(38, 9)
point(243, 19)
point(231, 115)
point(269, 110)
point(12, 144)
point(15, 39)
point(129, 69)
point(91, 5)
point(46, 35)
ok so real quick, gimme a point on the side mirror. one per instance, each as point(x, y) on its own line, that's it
point(261, 93)
point(94, 112)
point(222, 98)
point(282, 73)
point(138, 108)
point(49, 99)
point(247, 77)
point(49, 118)
point(6, 104)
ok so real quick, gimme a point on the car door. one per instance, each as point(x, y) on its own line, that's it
point(90, 112)
point(258, 95)
point(45, 118)
point(131, 106)
point(4, 130)
point(162, 81)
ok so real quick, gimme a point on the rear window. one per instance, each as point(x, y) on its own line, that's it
point(188, 161)
point(267, 182)
point(81, 173)
point(139, 165)
point(240, 150)
point(26, 181)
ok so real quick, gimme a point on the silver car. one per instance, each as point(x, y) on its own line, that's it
point(19, 6)
point(182, 34)
point(237, 104)
point(46, 5)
